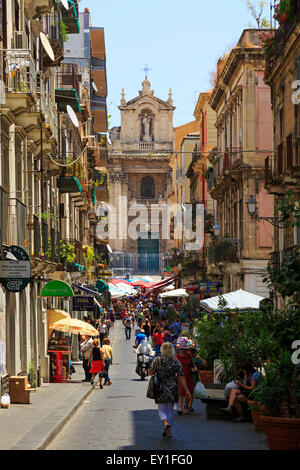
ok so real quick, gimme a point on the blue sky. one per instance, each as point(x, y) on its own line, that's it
point(179, 40)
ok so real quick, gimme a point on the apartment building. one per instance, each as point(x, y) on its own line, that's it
point(47, 181)
point(242, 102)
point(283, 165)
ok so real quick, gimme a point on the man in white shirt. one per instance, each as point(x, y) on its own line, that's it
point(145, 348)
point(86, 347)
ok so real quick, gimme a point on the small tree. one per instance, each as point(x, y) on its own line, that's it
point(257, 8)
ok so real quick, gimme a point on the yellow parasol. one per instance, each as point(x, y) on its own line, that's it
point(53, 316)
point(72, 325)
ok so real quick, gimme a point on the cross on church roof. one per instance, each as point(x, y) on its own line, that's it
point(146, 70)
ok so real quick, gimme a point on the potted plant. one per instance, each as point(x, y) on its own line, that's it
point(279, 392)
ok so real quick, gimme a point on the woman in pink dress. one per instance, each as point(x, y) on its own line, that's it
point(184, 356)
point(96, 358)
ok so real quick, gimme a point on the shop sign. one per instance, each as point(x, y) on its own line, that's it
point(57, 289)
point(209, 287)
point(192, 289)
point(15, 275)
point(83, 304)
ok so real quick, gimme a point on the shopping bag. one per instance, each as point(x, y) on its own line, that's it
point(199, 390)
point(150, 389)
point(5, 401)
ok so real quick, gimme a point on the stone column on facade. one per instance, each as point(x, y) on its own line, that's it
point(118, 200)
point(12, 209)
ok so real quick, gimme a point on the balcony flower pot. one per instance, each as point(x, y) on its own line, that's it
point(282, 433)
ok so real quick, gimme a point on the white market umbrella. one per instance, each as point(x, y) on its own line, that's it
point(238, 300)
point(174, 293)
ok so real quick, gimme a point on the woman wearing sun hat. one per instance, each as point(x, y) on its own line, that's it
point(184, 356)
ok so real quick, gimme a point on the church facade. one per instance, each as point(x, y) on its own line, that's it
point(140, 180)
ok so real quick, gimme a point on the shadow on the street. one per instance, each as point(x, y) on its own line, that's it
point(193, 432)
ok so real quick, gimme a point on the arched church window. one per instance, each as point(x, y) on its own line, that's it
point(148, 187)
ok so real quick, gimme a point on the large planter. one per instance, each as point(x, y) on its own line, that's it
point(256, 414)
point(282, 433)
point(207, 377)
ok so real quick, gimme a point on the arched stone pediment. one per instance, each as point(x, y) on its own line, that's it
point(146, 121)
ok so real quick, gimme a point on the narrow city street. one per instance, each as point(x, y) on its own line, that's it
point(121, 417)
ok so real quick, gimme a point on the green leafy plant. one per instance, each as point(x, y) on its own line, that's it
point(279, 388)
point(88, 259)
point(67, 253)
point(64, 32)
point(32, 375)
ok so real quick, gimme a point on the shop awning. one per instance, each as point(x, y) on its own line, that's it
point(160, 284)
point(57, 289)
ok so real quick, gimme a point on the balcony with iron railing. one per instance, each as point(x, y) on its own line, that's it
point(224, 252)
point(68, 90)
point(20, 80)
point(71, 17)
point(283, 166)
point(47, 106)
point(231, 159)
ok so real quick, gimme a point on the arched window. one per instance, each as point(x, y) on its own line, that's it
point(148, 187)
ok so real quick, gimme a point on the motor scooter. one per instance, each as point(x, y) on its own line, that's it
point(144, 361)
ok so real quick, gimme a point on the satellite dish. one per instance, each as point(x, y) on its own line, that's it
point(47, 46)
point(65, 4)
point(72, 115)
point(95, 87)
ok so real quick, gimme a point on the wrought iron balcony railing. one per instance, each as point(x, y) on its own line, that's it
point(224, 252)
point(21, 74)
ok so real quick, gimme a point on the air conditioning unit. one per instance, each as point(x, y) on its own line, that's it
point(21, 40)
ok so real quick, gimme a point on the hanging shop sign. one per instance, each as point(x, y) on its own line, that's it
point(15, 274)
point(57, 289)
point(83, 304)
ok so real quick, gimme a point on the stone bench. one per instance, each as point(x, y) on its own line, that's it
point(215, 400)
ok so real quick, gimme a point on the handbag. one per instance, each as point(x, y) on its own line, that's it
point(150, 389)
point(155, 387)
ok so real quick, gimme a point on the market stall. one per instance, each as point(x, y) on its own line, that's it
point(238, 300)
point(59, 350)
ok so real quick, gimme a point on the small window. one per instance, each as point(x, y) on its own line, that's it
point(148, 187)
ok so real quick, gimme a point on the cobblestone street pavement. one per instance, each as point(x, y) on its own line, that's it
point(121, 417)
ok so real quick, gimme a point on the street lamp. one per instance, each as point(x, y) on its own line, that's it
point(252, 210)
point(252, 206)
point(217, 230)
